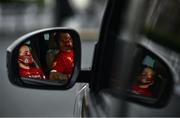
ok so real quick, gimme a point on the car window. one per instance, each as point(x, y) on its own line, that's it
point(162, 30)
point(162, 23)
point(24, 16)
point(86, 17)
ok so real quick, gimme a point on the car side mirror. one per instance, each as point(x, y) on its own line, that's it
point(45, 59)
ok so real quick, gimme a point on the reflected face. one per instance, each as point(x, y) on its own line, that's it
point(24, 50)
point(146, 77)
point(25, 55)
point(65, 42)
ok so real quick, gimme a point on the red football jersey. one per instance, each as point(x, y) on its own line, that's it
point(142, 91)
point(64, 62)
point(33, 72)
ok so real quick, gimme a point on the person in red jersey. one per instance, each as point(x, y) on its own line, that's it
point(63, 63)
point(145, 80)
point(27, 66)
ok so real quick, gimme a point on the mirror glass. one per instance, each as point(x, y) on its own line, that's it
point(48, 56)
point(151, 82)
point(149, 77)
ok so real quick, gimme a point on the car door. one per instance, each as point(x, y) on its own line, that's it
point(121, 30)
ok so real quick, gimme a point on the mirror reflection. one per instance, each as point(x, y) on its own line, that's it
point(150, 78)
point(27, 66)
point(48, 56)
point(63, 63)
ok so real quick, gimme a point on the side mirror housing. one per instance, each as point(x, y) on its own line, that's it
point(45, 59)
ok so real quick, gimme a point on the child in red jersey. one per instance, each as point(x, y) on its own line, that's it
point(145, 80)
point(27, 67)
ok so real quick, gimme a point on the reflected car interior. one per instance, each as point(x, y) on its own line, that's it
point(48, 58)
point(59, 58)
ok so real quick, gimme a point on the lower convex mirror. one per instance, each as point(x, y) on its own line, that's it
point(48, 58)
point(150, 82)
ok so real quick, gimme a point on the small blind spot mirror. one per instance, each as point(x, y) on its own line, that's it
point(150, 82)
point(49, 58)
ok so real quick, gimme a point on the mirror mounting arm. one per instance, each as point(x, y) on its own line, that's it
point(84, 76)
